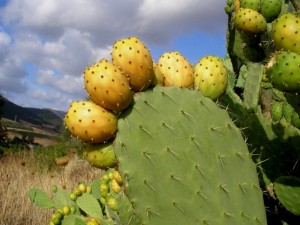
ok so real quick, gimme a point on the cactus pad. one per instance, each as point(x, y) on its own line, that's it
point(184, 162)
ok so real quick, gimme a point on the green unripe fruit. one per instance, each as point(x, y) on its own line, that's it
point(105, 178)
point(51, 223)
point(211, 77)
point(88, 189)
point(287, 111)
point(54, 188)
point(250, 4)
point(66, 210)
point(77, 191)
point(59, 215)
point(270, 9)
point(56, 221)
point(104, 189)
point(82, 187)
point(103, 200)
point(112, 202)
point(249, 20)
point(117, 177)
point(276, 111)
point(284, 71)
point(100, 155)
point(296, 120)
point(73, 209)
point(73, 196)
point(286, 33)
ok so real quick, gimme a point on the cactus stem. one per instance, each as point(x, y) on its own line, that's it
point(202, 195)
point(173, 152)
point(151, 213)
point(124, 147)
point(198, 168)
point(223, 187)
point(176, 178)
point(196, 142)
point(221, 157)
point(145, 130)
point(165, 94)
point(149, 185)
point(151, 106)
point(168, 126)
point(186, 114)
point(242, 186)
point(178, 207)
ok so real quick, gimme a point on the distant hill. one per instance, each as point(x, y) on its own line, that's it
point(47, 119)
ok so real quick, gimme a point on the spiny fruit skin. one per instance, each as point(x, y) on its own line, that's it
point(276, 111)
point(249, 20)
point(158, 78)
point(135, 60)
point(211, 77)
point(90, 122)
point(100, 155)
point(284, 71)
point(286, 32)
point(107, 86)
point(250, 4)
point(176, 70)
point(270, 9)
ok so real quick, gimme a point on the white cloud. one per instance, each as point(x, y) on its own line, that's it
point(61, 38)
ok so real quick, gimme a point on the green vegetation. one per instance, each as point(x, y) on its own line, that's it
point(184, 157)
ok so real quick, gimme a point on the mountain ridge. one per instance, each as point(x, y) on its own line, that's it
point(48, 119)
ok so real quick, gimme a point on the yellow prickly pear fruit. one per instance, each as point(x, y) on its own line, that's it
point(100, 155)
point(90, 122)
point(176, 70)
point(211, 77)
point(158, 78)
point(117, 177)
point(135, 60)
point(115, 186)
point(107, 86)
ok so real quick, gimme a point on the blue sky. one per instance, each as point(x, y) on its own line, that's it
point(45, 45)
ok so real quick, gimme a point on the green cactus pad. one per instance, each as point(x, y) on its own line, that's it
point(89, 205)
point(184, 162)
point(40, 198)
point(287, 190)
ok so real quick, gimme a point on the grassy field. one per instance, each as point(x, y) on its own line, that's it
point(18, 173)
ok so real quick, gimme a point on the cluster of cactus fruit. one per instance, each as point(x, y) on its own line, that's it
point(216, 143)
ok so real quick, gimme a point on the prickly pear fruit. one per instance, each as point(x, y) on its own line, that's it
point(250, 4)
point(211, 77)
point(284, 71)
point(158, 78)
point(112, 202)
point(270, 9)
point(107, 86)
point(134, 59)
point(249, 20)
point(100, 155)
point(287, 111)
point(176, 70)
point(286, 32)
point(295, 120)
point(90, 122)
point(276, 111)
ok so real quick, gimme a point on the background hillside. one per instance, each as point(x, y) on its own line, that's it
point(46, 119)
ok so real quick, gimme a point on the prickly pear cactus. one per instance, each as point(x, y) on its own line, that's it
point(175, 155)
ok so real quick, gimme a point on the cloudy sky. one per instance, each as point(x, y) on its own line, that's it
point(46, 44)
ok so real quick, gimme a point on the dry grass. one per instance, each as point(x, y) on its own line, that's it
point(17, 176)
